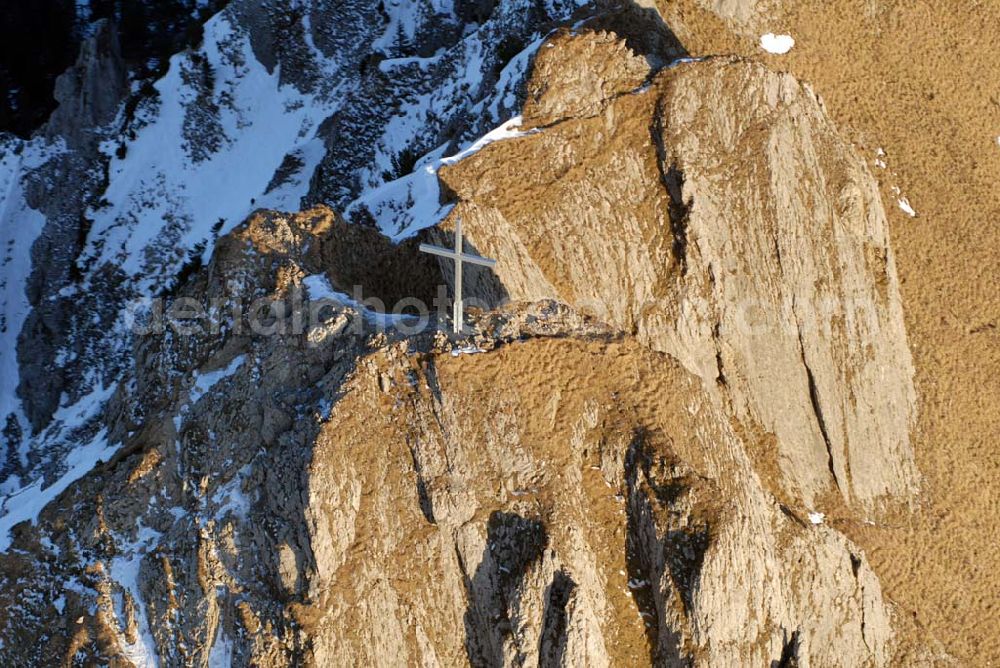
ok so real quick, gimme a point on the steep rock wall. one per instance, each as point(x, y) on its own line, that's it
point(338, 495)
point(570, 494)
point(716, 214)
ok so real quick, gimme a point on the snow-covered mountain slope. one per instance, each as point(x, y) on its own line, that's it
point(227, 133)
point(280, 105)
point(20, 227)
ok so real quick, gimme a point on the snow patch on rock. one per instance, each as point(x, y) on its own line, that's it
point(206, 381)
point(25, 504)
point(409, 204)
point(904, 204)
point(777, 44)
point(125, 571)
point(319, 288)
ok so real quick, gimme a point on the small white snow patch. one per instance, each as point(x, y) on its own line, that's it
point(206, 381)
point(466, 350)
point(777, 44)
point(320, 289)
point(506, 130)
point(816, 518)
point(229, 498)
point(221, 655)
point(904, 204)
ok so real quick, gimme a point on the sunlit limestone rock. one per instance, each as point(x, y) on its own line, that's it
point(557, 496)
point(718, 215)
point(634, 474)
point(607, 515)
point(741, 15)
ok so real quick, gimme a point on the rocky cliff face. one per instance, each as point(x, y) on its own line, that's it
point(335, 495)
point(636, 460)
point(279, 106)
point(716, 214)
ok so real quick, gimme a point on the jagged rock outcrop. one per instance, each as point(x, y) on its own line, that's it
point(329, 494)
point(125, 192)
point(626, 475)
point(607, 500)
point(89, 93)
point(718, 215)
point(580, 77)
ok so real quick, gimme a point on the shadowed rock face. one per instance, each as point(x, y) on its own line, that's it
point(89, 95)
point(717, 215)
point(89, 92)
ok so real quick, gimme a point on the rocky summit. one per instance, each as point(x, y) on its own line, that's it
point(695, 416)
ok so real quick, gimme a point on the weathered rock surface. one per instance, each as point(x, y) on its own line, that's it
point(292, 486)
point(625, 505)
point(718, 216)
point(89, 93)
point(579, 77)
point(89, 96)
point(740, 13)
point(136, 182)
point(332, 495)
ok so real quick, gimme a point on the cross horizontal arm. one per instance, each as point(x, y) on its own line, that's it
point(437, 250)
point(465, 257)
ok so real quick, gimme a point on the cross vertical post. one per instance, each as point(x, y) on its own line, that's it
point(459, 256)
point(458, 315)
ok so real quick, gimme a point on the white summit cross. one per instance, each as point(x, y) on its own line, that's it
point(459, 257)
